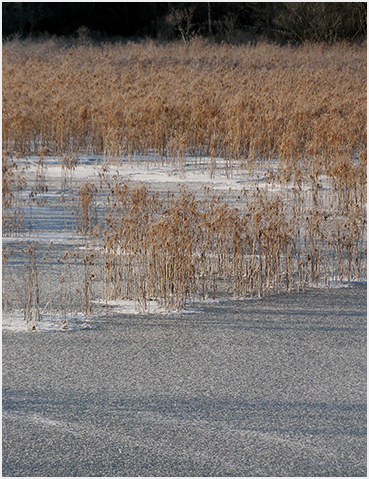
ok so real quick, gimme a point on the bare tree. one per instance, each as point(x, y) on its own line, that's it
point(209, 19)
point(182, 20)
point(27, 15)
point(321, 21)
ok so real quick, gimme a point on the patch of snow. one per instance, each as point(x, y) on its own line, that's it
point(16, 322)
point(56, 237)
point(130, 306)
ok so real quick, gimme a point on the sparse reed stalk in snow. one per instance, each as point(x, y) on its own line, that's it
point(31, 307)
point(13, 185)
point(5, 287)
point(86, 207)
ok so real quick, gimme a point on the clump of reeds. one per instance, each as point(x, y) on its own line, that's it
point(174, 248)
point(68, 163)
point(87, 212)
point(13, 185)
point(21, 284)
point(88, 277)
point(5, 287)
point(32, 311)
point(40, 180)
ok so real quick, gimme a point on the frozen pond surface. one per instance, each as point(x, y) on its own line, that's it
point(275, 387)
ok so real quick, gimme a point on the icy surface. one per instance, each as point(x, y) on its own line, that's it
point(227, 387)
point(241, 388)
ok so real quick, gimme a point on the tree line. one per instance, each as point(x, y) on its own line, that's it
point(222, 21)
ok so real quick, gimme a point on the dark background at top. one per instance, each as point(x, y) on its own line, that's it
point(235, 21)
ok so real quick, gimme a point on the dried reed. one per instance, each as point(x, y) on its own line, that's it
point(297, 112)
point(246, 104)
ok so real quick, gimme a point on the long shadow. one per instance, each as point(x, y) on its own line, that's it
point(277, 417)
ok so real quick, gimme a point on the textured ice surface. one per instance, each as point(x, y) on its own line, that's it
point(275, 387)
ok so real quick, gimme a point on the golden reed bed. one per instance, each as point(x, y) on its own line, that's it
point(239, 102)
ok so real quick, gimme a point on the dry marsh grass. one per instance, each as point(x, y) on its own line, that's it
point(243, 103)
point(173, 248)
point(176, 247)
point(298, 113)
